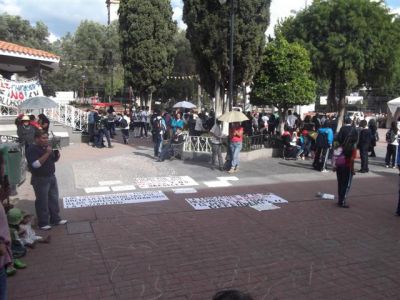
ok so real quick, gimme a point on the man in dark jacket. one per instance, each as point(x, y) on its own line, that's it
point(41, 162)
point(364, 143)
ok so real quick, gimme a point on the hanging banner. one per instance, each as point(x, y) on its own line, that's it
point(13, 93)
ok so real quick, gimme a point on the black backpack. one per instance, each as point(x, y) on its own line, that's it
point(322, 140)
point(123, 123)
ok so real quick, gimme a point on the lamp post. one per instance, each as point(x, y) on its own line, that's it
point(231, 29)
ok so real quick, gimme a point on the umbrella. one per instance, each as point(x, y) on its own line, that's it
point(233, 116)
point(184, 104)
point(38, 102)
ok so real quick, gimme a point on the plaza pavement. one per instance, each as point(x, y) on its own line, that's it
point(307, 249)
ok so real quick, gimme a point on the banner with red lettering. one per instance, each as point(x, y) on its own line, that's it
point(13, 93)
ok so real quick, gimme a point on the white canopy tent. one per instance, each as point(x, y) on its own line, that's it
point(393, 105)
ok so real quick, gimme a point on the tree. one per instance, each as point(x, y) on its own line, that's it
point(284, 79)
point(179, 86)
point(14, 29)
point(348, 42)
point(146, 38)
point(85, 60)
point(207, 31)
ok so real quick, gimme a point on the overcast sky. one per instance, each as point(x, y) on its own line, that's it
point(62, 16)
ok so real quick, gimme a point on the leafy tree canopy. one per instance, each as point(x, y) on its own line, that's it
point(208, 33)
point(14, 29)
point(147, 32)
point(351, 42)
point(284, 78)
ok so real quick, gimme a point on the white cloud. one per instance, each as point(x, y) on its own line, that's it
point(9, 7)
point(177, 16)
point(52, 37)
point(280, 9)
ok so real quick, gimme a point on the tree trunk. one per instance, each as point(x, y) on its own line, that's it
point(149, 103)
point(332, 94)
point(342, 99)
point(198, 94)
point(218, 99)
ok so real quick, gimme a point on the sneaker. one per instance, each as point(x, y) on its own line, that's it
point(10, 271)
point(387, 166)
point(232, 170)
point(19, 264)
point(47, 227)
point(61, 222)
point(324, 171)
point(394, 167)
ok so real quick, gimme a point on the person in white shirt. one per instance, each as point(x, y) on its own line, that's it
point(291, 121)
point(125, 121)
point(216, 145)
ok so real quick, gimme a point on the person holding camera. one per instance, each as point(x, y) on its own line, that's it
point(41, 163)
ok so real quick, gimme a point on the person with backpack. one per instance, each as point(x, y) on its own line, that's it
point(323, 144)
point(363, 145)
point(392, 136)
point(344, 155)
point(124, 124)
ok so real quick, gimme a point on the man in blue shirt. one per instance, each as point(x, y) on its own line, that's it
point(41, 162)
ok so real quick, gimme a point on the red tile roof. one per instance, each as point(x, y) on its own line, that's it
point(14, 48)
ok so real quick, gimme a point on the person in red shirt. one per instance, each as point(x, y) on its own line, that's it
point(236, 139)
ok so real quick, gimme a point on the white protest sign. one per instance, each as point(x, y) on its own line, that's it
point(161, 182)
point(185, 191)
point(256, 201)
point(112, 199)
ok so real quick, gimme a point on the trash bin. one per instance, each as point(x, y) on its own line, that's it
point(14, 162)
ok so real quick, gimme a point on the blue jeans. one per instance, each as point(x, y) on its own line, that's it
point(46, 203)
point(235, 150)
point(157, 140)
point(3, 284)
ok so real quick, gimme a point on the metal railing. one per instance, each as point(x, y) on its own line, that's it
point(8, 111)
point(69, 115)
point(197, 144)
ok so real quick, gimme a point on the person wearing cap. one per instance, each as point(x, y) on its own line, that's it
point(26, 131)
point(41, 162)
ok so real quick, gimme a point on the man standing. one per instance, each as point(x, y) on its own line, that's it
point(125, 121)
point(41, 162)
point(216, 145)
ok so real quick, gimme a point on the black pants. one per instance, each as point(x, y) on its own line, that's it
point(216, 152)
point(364, 158)
point(390, 159)
point(320, 159)
point(143, 125)
point(344, 178)
point(91, 128)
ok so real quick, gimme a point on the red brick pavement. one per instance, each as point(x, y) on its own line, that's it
point(308, 249)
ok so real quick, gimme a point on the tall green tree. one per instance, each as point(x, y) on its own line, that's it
point(349, 43)
point(208, 33)
point(179, 86)
point(284, 79)
point(85, 61)
point(14, 29)
point(146, 39)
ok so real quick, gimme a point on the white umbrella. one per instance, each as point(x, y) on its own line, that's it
point(39, 102)
point(233, 116)
point(184, 104)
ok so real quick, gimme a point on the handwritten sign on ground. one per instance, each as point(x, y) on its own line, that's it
point(161, 182)
point(257, 201)
point(113, 199)
point(185, 191)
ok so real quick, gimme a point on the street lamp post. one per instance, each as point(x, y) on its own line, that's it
point(231, 29)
